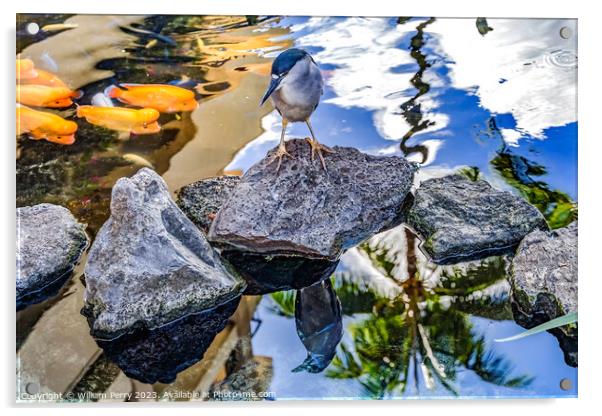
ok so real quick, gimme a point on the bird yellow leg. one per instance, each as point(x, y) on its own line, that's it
point(317, 147)
point(281, 151)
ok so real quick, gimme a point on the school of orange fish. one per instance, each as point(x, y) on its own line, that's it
point(42, 89)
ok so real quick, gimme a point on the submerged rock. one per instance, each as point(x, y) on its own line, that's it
point(149, 264)
point(249, 383)
point(158, 355)
point(50, 241)
point(459, 219)
point(201, 200)
point(306, 211)
point(319, 325)
point(544, 283)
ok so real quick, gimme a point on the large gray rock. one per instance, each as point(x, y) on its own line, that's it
point(201, 200)
point(459, 219)
point(544, 283)
point(305, 211)
point(264, 273)
point(50, 241)
point(150, 264)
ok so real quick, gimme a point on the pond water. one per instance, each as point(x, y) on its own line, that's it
point(501, 105)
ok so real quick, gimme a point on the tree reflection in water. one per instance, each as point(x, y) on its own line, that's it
point(422, 336)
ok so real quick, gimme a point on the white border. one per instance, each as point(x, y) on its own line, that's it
point(589, 188)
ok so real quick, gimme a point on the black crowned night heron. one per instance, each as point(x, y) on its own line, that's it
point(295, 89)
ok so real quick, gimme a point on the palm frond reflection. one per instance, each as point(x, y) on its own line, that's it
point(423, 337)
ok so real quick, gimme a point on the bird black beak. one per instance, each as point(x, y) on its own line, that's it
point(274, 83)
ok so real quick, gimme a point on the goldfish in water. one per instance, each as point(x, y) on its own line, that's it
point(45, 96)
point(233, 172)
point(45, 78)
point(162, 97)
point(138, 160)
point(25, 69)
point(43, 125)
point(59, 26)
point(142, 121)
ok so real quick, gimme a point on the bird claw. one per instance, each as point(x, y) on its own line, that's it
point(280, 153)
point(317, 147)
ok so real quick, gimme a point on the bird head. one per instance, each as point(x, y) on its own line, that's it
point(281, 67)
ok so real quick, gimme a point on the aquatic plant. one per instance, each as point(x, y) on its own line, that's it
point(568, 319)
point(518, 171)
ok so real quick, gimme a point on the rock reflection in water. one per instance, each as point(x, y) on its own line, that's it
point(319, 325)
point(273, 273)
point(158, 355)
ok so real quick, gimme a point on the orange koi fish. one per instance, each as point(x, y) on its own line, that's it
point(143, 121)
point(25, 69)
point(45, 96)
point(161, 97)
point(44, 78)
point(43, 125)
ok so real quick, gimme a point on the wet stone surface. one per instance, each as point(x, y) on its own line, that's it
point(459, 219)
point(303, 210)
point(201, 200)
point(544, 283)
point(50, 241)
point(149, 264)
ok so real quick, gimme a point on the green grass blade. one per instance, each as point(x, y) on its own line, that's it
point(569, 318)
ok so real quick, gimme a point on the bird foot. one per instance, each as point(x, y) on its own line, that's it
point(317, 147)
point(280, 153)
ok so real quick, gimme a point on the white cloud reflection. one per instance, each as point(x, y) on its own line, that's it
point(523, 67)
point(256, 149)
point(366, 52)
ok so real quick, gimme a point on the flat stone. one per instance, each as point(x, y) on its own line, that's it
point(50, 241)
point(264, 273)
point(303, 210)
point(201, 200)
point(459, 219)
point(544, 283)
point(149, 264)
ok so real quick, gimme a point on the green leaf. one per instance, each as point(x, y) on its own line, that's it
point(567, 319)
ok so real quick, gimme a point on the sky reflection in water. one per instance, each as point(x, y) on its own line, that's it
point(513, 90)
point(432, 89)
